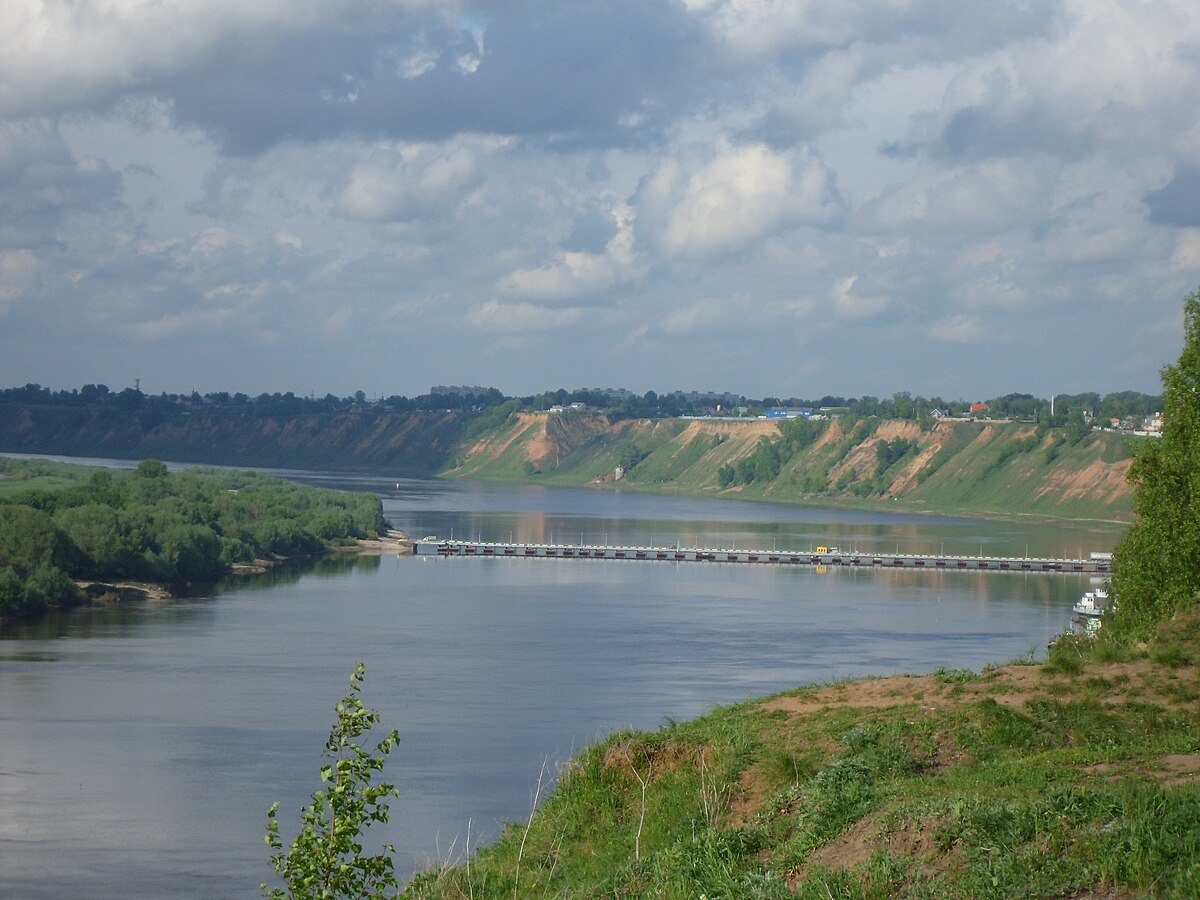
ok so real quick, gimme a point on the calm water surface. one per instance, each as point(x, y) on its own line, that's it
point(141, 745)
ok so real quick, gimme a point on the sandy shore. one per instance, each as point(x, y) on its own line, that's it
point(394, 543)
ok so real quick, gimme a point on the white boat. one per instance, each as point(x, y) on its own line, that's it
point(1092, 603)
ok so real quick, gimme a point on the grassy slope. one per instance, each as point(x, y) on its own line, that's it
point(20, 475)
point(400, 443)
point(1080, 777)
point(958, 467)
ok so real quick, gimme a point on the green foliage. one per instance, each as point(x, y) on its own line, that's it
point(631, 455)
point(191, 552)
point(29, 541)
point(1010, 450)
point(769, 456)
point(95, 528)
point(492, 419)
point(326, 858)
point(1156, 565)
point(149, 524)
point(1066, 655)
point(151, 468)
point(888, 453)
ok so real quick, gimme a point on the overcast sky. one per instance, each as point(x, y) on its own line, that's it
point(771, 197)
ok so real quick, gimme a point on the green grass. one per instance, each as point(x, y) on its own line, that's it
point(985, 786)
point(20, 475)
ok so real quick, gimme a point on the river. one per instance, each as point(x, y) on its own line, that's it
point(141, 745)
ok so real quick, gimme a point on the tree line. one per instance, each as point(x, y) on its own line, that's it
point(152, 525)
point(155, 408)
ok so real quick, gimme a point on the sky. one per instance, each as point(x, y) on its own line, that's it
point(768, 197)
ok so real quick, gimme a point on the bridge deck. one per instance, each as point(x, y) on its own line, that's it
point(519, 550)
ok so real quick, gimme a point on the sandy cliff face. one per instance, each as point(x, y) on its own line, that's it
point(967, 467)
point(999, 468)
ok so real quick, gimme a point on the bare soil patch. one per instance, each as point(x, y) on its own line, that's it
point(896, 690)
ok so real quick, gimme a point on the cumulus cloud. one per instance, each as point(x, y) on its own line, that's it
point(753, 29)
point(959, 329)
point(1178, 201)
point(55, 53)
point(836, 173)
point(1092, 79)
point(737, 195)
point(524, 317)
point(406, 180)
point(577, 273)
point(978, 198)
point(17, 268)
point(41, 181)
point(716, 315)
point(848, 304)
point(705, 314)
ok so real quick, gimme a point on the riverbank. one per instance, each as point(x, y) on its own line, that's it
point(63, 525)
point(964, 468)
point(106, 593)
point(1076, 777)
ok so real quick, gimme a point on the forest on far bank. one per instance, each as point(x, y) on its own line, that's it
point(616, 403)
point(62, 524)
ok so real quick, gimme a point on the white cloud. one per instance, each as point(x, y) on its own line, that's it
point(524, 317)
point(412, 180)
point(720, 314)
point(575, 273)
point(1110, 72)
point(55, 52)
point(958, 329)
point(757, 27)
point(994, 293)
point(417, 64)
point(913, 167)
point(17, 268)
point(849, 305)
point(705, 314)
point(1187, 249)
point(740, 194)
point(188, 322)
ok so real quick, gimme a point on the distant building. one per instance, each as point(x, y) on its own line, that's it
point(978, 409)
point(789, 413)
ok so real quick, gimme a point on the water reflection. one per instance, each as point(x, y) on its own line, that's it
point(143, 743)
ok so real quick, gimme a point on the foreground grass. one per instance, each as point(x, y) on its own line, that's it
point(1078, 777)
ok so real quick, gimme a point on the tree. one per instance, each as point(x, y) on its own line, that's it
point(325, 859)
point(29, 541)
point(96, 530)
point(151, 468)
point(1156, 564)
point(191, 552)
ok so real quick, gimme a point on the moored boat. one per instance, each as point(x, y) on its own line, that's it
point(1092, 603)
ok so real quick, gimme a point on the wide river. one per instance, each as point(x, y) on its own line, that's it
point(141, 745)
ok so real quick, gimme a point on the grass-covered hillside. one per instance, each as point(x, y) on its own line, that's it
point(355, 438)
point(1079, 777)
point(951, 466)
